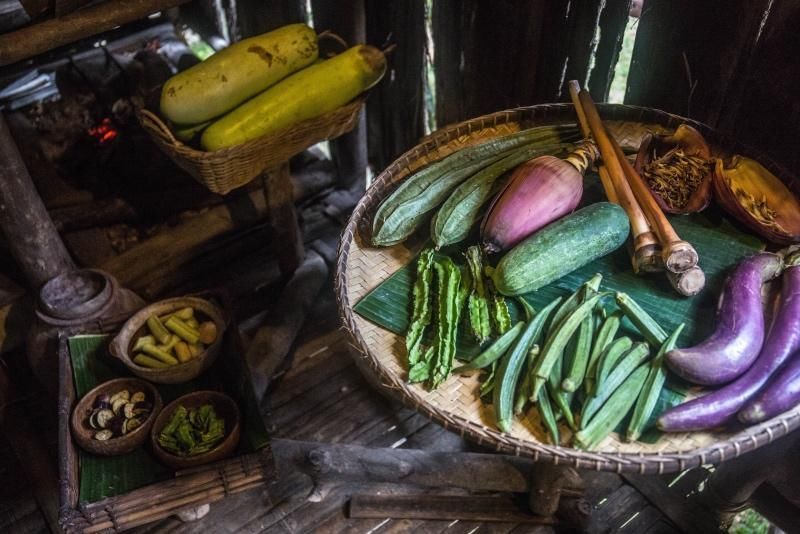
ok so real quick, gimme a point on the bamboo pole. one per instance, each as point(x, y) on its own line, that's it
point(678, 255)
point(125, 521)
point(646, 251)
point(687, 283)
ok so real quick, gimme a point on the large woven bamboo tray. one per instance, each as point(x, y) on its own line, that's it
point(380, 353)
point(102, 495)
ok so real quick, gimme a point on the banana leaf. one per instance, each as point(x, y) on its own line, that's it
point(719, 243)
point(107, 476)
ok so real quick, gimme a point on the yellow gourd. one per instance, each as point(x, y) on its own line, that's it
point(311, 92)
point(231, 76)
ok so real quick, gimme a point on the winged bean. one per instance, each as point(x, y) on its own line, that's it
point(421, 313)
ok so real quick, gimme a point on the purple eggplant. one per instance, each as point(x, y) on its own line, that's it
point(739, 333)
point(721, 405)
point(781, 394)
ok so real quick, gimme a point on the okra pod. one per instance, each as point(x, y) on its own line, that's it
point(547, 415)
point(157, 329)
point(613, 411)
point(648, 397)
point(522, 393)
point(159, 354)
point(490, 382)
point(562, 400)
point(628, 363)
point(493, 352)
point(512, 364)
point(586, 290)
point(182, 330)
point(421, 308)
point(648, 326)
point(580, 357)
point(554, 347)
point(608, 360)
point(604, 338)
point(527, 308)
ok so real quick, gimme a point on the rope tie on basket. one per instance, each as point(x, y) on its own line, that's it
point(224, 477)
point(110, 511)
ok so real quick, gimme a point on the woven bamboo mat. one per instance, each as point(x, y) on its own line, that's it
point(456, 404)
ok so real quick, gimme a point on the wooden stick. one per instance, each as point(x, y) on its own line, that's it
point(646, 251)
point(678, 255)
point(38, 38)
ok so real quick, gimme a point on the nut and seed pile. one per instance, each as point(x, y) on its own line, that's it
point(115, 415)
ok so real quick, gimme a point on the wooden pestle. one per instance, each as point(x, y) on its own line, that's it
point(646, 251)
point(687, 283)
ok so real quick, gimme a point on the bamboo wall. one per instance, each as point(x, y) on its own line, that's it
point(729, 63)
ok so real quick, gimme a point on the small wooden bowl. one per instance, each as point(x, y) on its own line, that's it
point(84, 435)
point(135, 327)
point(224, 406)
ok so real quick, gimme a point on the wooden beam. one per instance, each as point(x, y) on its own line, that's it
point(30, 233)
point(33, 40)
point(492, 508)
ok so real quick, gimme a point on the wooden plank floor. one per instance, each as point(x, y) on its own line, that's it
point(323, 397)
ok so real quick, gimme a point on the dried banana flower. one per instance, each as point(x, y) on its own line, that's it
point(758, 199)
point(677, 168)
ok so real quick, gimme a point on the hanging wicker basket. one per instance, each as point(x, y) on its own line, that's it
point(379, 353)
point(224, 170)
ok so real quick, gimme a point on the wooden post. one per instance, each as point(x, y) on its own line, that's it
point(283, 218)
point(346, 19)
point(30, 233)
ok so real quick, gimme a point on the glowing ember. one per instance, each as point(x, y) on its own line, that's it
point(104, 132)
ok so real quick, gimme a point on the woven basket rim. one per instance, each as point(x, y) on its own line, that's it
point(395, 387)
point(188, 150)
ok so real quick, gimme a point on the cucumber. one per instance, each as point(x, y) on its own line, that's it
point(241, 71)
point(306, 94)
point(561, 247)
